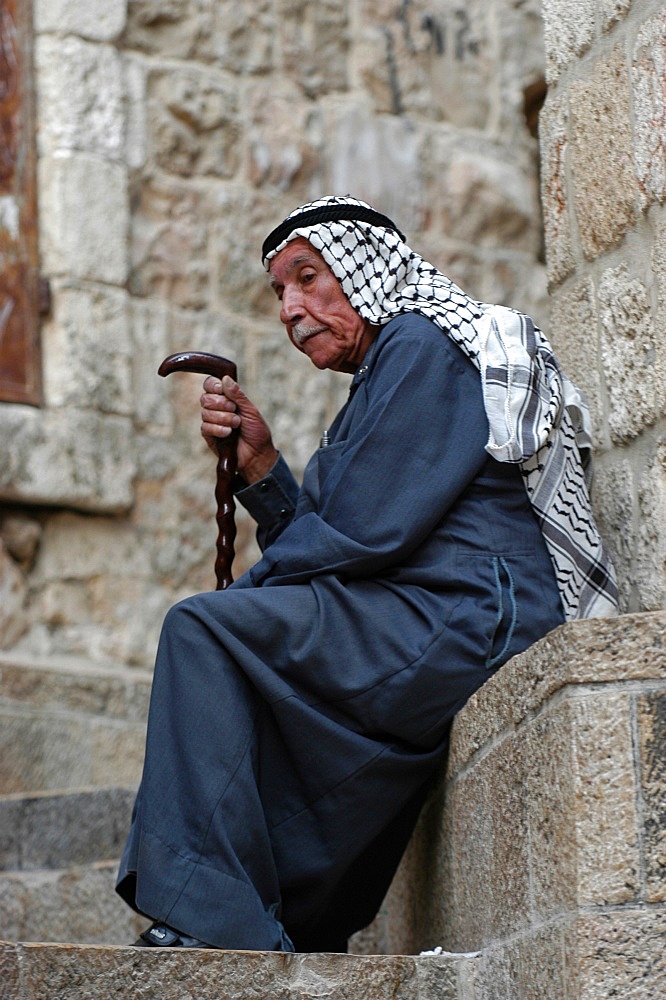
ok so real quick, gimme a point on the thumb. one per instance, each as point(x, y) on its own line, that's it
point(233, 391)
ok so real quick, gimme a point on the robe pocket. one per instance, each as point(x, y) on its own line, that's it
point(327, 458)
point(506, 616)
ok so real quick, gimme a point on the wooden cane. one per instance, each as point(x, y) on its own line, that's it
point(213, 364)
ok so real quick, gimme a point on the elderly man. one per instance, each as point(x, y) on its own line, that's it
point(442, 526)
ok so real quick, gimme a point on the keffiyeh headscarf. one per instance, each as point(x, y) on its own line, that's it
point(537, 417)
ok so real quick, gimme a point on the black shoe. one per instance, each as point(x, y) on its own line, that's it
point(161, 936)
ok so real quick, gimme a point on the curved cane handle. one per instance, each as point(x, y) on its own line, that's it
point(213, 364)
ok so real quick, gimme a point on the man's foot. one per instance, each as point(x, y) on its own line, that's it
point(161, 936)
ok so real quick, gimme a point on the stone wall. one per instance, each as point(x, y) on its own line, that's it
point(542, 848)
point(603, 135)
point(172, 135)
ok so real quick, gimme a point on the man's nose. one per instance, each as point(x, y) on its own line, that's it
point(291, 306)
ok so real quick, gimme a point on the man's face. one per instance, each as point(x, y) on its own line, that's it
point(319, 318)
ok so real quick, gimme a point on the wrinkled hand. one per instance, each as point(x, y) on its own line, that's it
point(224, 407)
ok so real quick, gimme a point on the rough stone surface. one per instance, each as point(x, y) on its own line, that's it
point(81, 97)
point(629, 351)
point(78, 368)
point(601, 650)
point(68, 726)
point(554, 194)
point(601, 140)
point(95, 472)
point(54, 830)
point(13, 596)
point(575, 340)
point(542, 846)
point(568, 31)
point(99, 20)
point(77, 904)
point(68, 972)
point(619, 955)
point(89, 197)
point(607, 869)
point(649, 567)
point(651, 711)
point(649, 107)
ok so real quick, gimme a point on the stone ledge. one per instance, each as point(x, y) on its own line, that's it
point(594, 651)
point(52, 830)
point(35, 971)
point(74, 904)
point(67, 684)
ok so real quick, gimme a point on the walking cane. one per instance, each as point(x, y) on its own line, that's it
point(213, 364)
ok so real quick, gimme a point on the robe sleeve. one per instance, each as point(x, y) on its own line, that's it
point(417, 445)
point(271, 501)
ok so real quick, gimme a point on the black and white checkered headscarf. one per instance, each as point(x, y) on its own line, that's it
point(537, 417)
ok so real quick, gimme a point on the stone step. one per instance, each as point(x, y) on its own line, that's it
point(69, 972)
point(77, 904)
point(52, 830)
point(66, 724)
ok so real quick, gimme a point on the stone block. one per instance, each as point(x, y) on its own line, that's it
point(658, 270)
point(95, 467)
point(554, 143)
point(13, 595)
point(432, 61)
point(241, 220)
point(193, 121)
point(314, 41)
point(42, 753)
point(548, 766)
point(135, 74)
point(82, 196)
point(116, 754)
point(75, 547)
point(608, 863)
point(618, 954)
point(151, 337)
point(481, 200)
point(594, 651)
point(650, 542)
point(87, 350)
point(629, 351)
point(286, 142)
point(651, 712)
point(649, 110)
point(71, 686)
point(601, 155)
point(21, 534)
point(575, 339)
point(80, 97)
point(569, 30)
point(78, 904)
point(243, 37)
point(169, 244)
point(52, 831)
point(487, 847)
point(530, 967)
point(614, 11)
point(170, 28)
point(98, 20)
point(615, 499)
point(64, 971)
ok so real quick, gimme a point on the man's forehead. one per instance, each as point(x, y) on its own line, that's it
point(297, 252)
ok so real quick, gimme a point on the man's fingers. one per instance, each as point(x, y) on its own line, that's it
point(211, 401)
point(212, 384)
